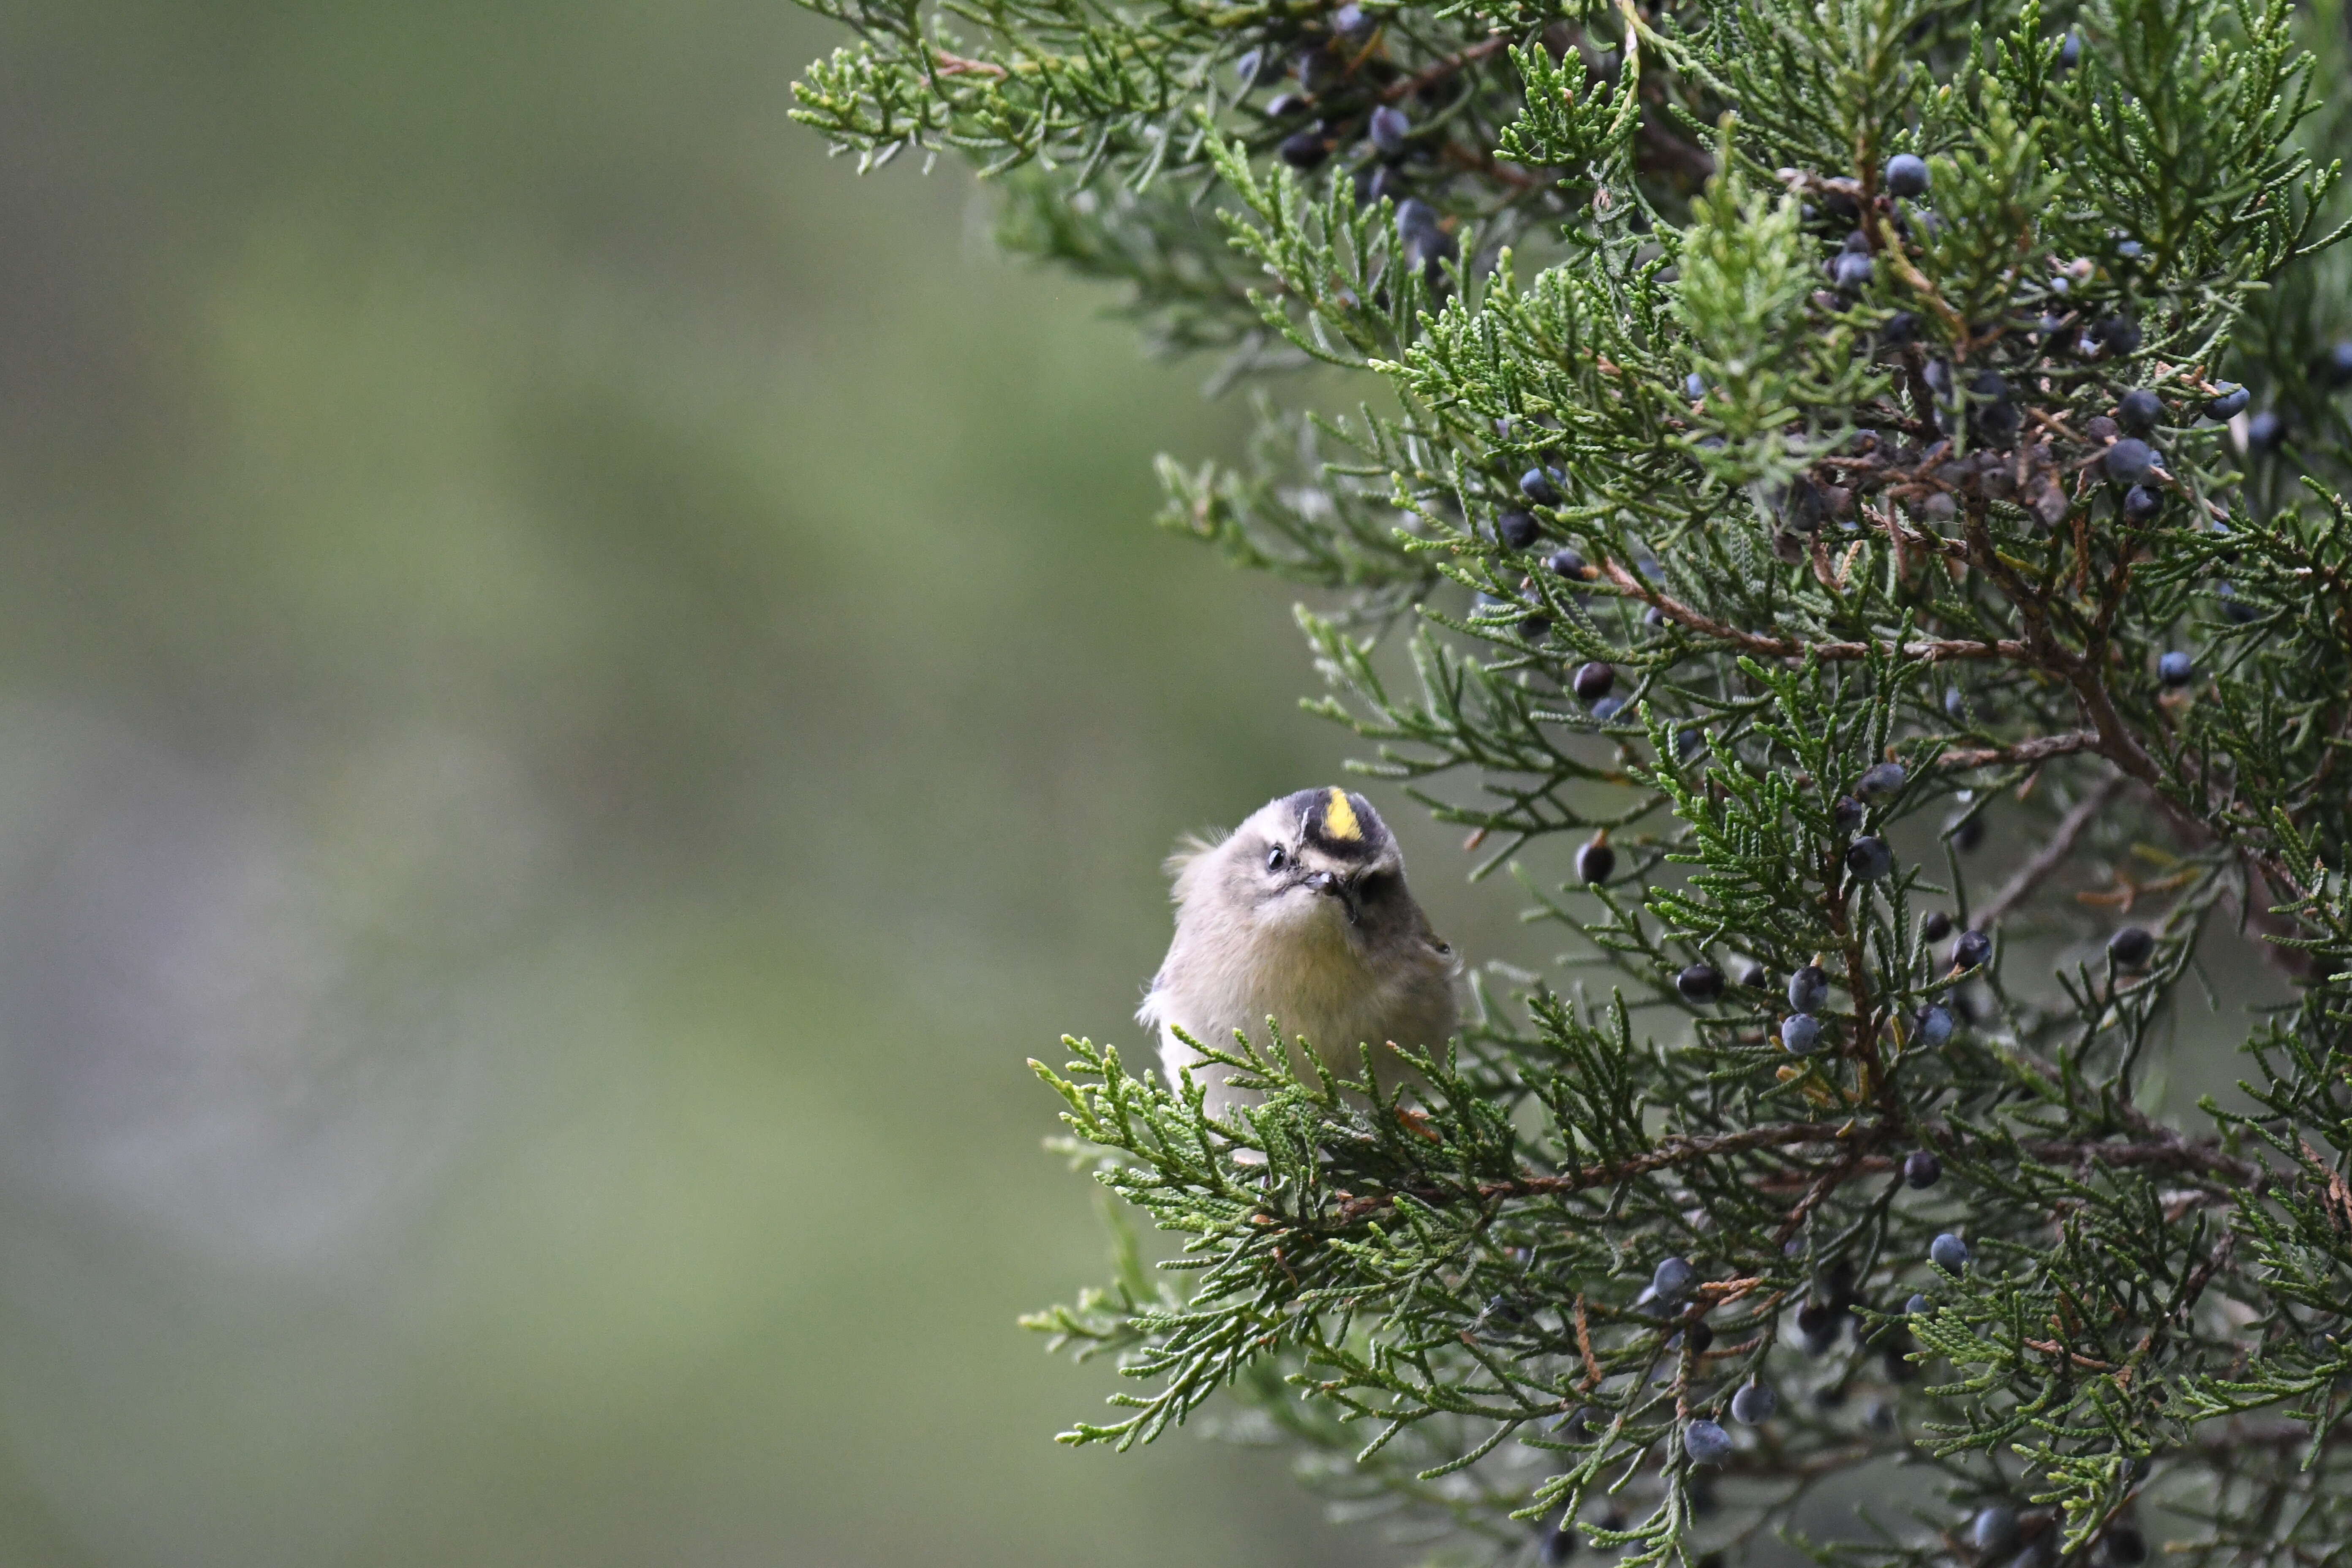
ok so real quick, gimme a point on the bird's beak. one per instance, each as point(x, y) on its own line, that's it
point(1325, 882)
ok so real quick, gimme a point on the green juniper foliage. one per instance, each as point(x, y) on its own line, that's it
point(1927, 414)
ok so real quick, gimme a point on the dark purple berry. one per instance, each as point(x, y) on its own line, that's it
point(1972, 949)
point(2120, 335)
point(1701, 983)
point(2142, 502)
point(2138, 410)
point(1922, 1169)
point(1304, 150)
point(1536, 486)
point(2176, 668)
point(2228, 404)
point(2131, 946)
point(1387, 128)
point(1516, 529)
point(2335, 365)
point(1321, 70)
point(1935, 926)
point(1994, 1530)
point(1997, 424)
point(1565, 563)
point(1593, 680)
point(1754, 1403)
point(1428, 252)
point(1808, 989)
point(1595, 860)
point(1707, 1443)
point(1869, 859)
point(2127, 462)
point(1907, 175)
point(1948, 1253)
point(1851, 272)
point(1880, 783)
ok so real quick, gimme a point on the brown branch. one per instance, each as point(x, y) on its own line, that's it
point(2053, 853)
point(2169, 1149)
point(1672, 1150)
point(1438, 70)
point(956, 65)
point(1933, 648)
point(1675, 1149)
point(2231, 1179)
point(2202, 1275)
point(1889, 246)
point(2088, 1363)
point(1477, 160)
point(1828, 1182)
point(2159, 1145)
point(2191, 1287)
point(2116, 743)
point(2034, 751)
point(2241, 1434)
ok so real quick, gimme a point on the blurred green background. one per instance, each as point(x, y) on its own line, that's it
point(581, 687)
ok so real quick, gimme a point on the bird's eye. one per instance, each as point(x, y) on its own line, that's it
point(1275, 859)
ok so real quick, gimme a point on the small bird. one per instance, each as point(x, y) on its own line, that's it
point(1301, 914)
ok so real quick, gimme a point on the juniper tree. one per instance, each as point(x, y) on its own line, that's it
point(1795, 439)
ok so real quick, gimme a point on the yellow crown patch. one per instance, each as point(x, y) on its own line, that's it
point(1340, 817)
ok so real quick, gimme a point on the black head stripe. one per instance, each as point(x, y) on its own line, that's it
point(1341, 826)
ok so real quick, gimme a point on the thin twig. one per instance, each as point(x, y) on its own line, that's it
point(1932, 649)
point(1438, 70)
point(2034, 751)
point(2052, 854)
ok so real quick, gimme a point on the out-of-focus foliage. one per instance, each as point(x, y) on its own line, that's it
point(537, 828)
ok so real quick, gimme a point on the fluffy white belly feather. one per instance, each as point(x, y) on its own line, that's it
point(1313, 987)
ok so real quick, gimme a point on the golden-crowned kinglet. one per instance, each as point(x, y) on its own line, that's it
point(1302, 915)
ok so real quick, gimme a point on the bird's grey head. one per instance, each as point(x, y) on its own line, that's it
point(1320, 859)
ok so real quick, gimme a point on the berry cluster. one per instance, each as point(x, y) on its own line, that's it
point(1341, 94)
